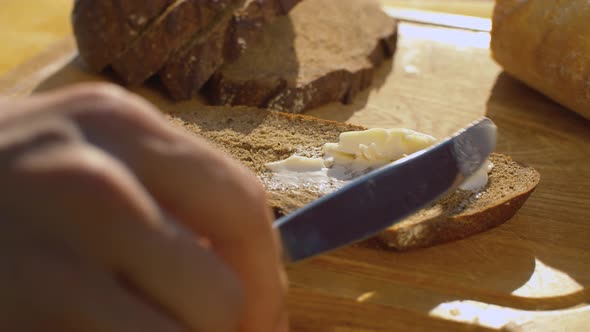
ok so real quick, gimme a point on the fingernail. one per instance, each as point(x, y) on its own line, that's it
point(283, 323)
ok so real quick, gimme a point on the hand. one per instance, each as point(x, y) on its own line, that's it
point(91, 181)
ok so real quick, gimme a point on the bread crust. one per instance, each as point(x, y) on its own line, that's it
point(181, 22)
point(103, 29)
point(546, 44)
point(436, 225)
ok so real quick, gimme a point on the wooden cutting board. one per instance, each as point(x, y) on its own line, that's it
point(530, 273)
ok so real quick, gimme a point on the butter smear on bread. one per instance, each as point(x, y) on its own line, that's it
point(357, 153)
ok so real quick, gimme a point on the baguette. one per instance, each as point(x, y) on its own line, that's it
point(256, 137)
point(546, 44)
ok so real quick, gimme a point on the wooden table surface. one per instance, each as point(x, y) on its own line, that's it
point(530, 274)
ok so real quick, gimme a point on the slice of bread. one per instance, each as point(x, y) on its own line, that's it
point(256, 137)
point(105, 28)
point(182, 21)
point(191, 67)
point(322, 51)
point(249, 21)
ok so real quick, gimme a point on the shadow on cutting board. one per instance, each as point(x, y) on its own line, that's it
point(476, 268)
point(343, 112)
point(74, 72)
point(555, 141)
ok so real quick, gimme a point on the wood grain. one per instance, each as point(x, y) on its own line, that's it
point(536, 265)
point(28, 27)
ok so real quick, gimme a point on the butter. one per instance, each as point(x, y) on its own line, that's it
point(296, 172)
point(377, 146)
point(357, 153)
point(297, 164)
point(479, 179)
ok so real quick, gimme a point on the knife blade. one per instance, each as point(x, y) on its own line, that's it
point(388, 195)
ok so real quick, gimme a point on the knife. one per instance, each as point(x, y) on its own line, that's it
point(386, 196)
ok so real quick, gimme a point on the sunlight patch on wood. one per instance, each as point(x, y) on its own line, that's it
point(547, 281)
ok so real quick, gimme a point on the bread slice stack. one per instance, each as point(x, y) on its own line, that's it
point(262, 53)
point(182, 40)
point(192, 66)
point(256, 137)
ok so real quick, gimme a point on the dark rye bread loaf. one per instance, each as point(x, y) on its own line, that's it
point(256, 137)
point(181, 22)
point(248, 22)
point(323, 51)
point(105, 28)
point(191, 67)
